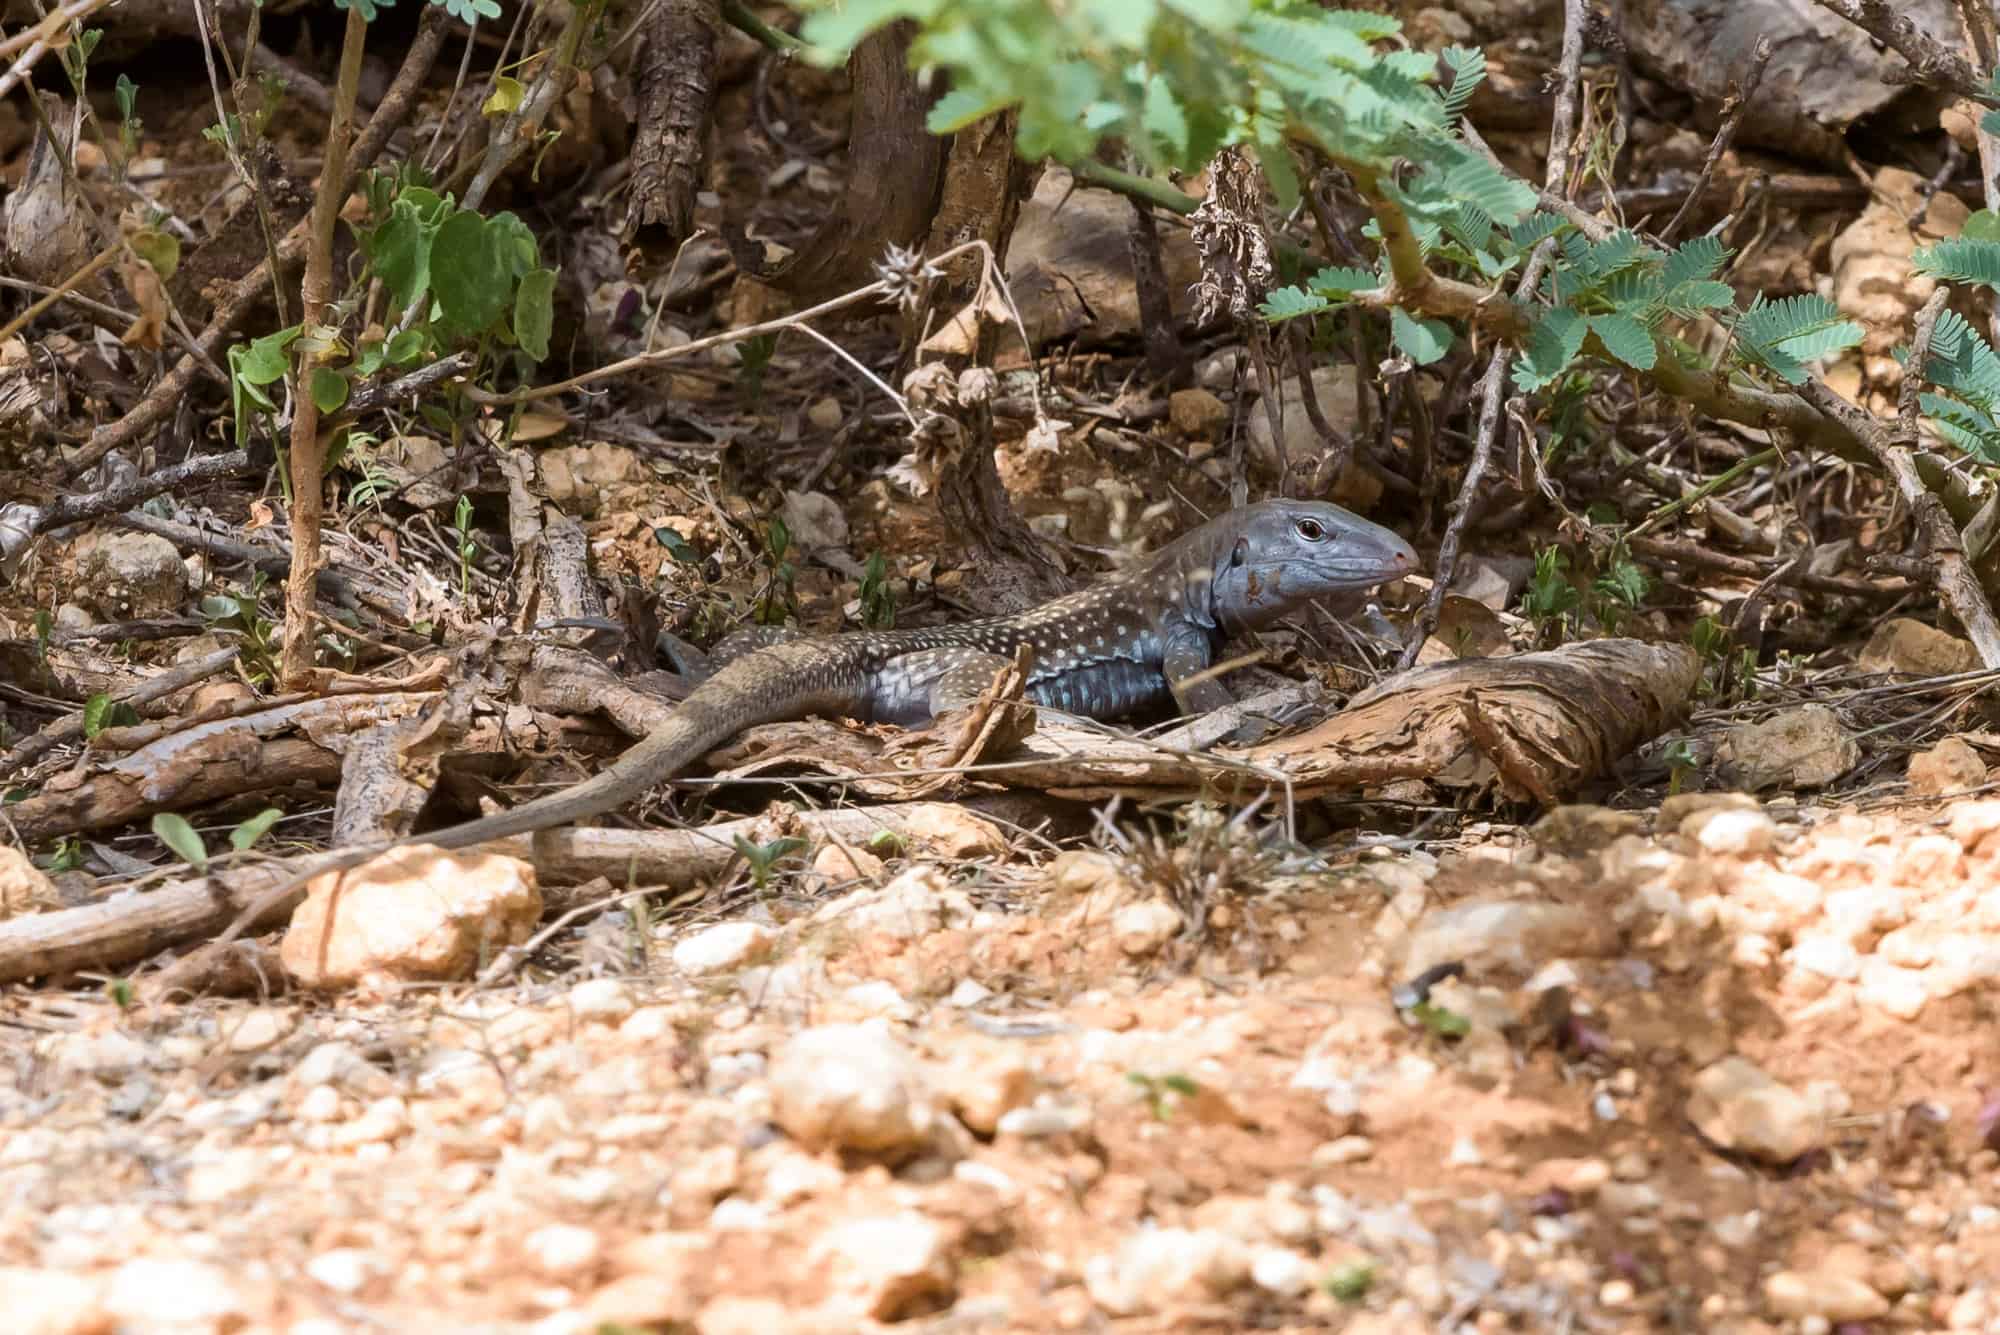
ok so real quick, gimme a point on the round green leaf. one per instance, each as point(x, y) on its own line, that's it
point(468, 272)
point(534, 312)
point(329, 389)
point(400, 250)
point(173, 830)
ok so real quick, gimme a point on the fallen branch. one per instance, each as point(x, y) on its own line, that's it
point(210, 762)
point(1950, 571)
point(114, 934)
point(177, 678)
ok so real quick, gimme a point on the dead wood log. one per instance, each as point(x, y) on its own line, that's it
point(896, 167)
point(295, 744)
point(114, 934)
point(144, 692)
point(669, 148)
point(1532, 727)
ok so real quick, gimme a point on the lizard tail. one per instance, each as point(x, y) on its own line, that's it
point(772, 684)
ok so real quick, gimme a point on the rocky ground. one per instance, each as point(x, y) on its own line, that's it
point(1717, 1071)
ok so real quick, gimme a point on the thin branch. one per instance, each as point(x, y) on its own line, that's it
point(193, 471)
point(315, 297)
point(167, 393)
point(142, 692)
point(1949, 570)
point(1493, 387)
point(1931, 62)
point(1734, 108)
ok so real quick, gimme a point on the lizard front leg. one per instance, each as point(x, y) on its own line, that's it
point(1186, 656)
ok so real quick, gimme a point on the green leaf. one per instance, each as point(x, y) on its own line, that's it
point(677, 547)
point(264, 359)
point(1626, 339)
point(1468, 70)
point(96, 714)
point(1276, 160)
point(1536, 228)
point(507, 96)
point(329, 389)
point(534, 312)
point(1164, 118)
point(1982, 226)
point(1696, 258)
point(1553, 344)
point(250, 831)
point(1472, 179)
point(1706, 294)
point(1424, 341)
point(1288, 303)
point(1784, 335)
point(962, 107)
point(469, 271)
point(1218, 15)
point(406, 347)
point(515, 242)
point(400, 250)
point(1363, 24)
point(1336, 282)
point(1961, 260)
point(172, 829)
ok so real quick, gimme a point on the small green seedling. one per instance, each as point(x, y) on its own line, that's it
point(1350, 1283)
point(468, 547)
point(763, 858)
point(1439, 1021)
point(1550, 597)
point(173, 830)
point(1681, 763)
point(878, 598)
point(1163, 1091)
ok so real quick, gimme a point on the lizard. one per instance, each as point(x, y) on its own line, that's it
point(1133, 640)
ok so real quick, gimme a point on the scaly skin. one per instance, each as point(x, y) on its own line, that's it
point(1123, 644)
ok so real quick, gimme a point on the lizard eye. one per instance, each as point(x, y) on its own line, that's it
point(1310, 529)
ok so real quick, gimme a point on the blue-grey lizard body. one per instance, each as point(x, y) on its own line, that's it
point(1132, 641)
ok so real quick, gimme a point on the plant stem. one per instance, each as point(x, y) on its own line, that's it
point(315, 294)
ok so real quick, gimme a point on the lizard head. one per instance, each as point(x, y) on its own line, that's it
point(1274, 557)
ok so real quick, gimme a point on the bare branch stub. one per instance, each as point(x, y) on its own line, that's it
point(676, 96)
point(896, 169)
point(1931, 62)
point(1953, 575)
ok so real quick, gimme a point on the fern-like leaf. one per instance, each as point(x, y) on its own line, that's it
point(1552, 345)
point(1626, 339)
point(1536, 228)
point(1468, 70)
point(1335, 283)
point(1695, 259)
point(1961, 261)
point(1964, 426)
point(1475, 180)
point(1368, 27)
point(1963, 363)
point(1784, 335)
point(1704, 294)
point(1289, 303)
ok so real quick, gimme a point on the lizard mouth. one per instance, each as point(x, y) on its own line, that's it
point(1367, 560)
